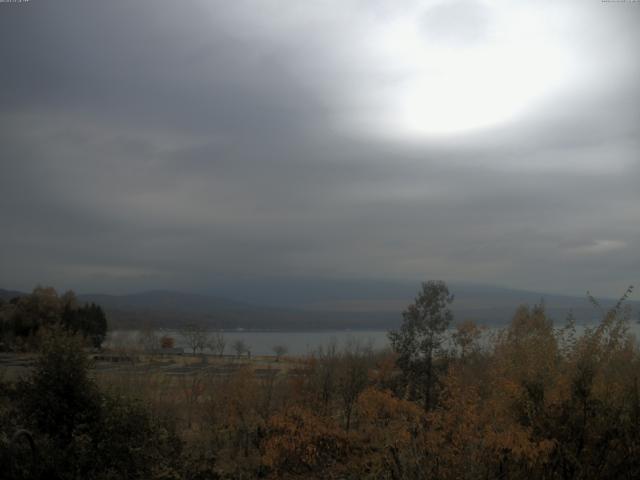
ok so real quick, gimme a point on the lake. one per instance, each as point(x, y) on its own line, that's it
point(297, 342)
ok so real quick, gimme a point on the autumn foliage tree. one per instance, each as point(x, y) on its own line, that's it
point(466, 338)
point(300, 442)
point(22, 317)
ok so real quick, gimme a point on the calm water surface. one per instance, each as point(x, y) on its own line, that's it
point(296, 342)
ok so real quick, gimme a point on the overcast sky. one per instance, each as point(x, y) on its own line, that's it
point(164, 144)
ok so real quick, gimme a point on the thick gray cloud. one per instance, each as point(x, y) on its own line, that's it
point(156, 144)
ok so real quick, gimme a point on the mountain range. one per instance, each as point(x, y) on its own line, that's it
point(327, 309)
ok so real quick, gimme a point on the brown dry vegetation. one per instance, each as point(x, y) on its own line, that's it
point(533, 401)
point(536, 402)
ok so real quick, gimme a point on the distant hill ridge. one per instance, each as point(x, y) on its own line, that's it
point(483, 304)
point(164, 299)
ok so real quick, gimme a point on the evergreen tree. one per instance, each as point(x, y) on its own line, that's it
point(420, 336)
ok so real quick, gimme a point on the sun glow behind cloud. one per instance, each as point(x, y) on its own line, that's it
point(419, 69)
point(449, 87)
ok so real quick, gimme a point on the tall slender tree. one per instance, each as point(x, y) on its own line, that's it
point(420, 336)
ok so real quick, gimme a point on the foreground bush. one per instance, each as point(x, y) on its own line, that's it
point(82, 433)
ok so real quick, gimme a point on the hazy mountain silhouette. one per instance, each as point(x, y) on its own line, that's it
point(345, 305)
point(9, 294)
